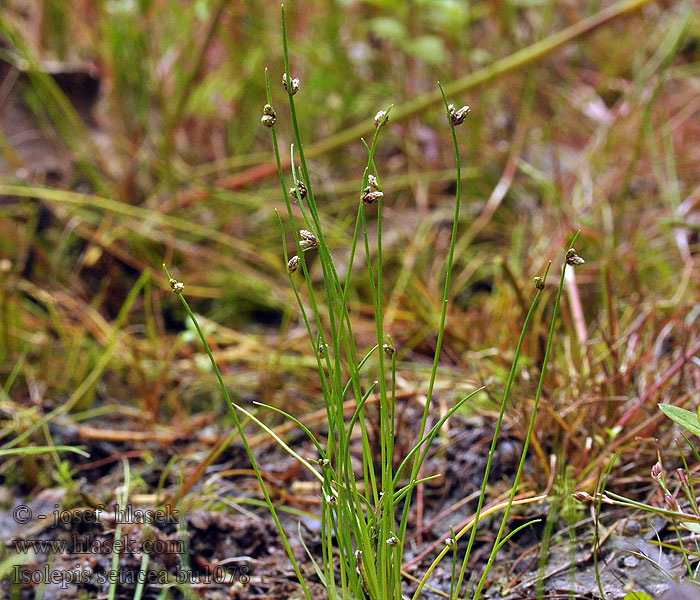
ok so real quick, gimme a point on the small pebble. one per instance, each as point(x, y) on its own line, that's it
point(631, 562)
point(630, 527)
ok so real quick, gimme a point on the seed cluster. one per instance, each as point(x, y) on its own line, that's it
point(269, 117)
point(294, 86)
point(457, 116)
point(371, 193)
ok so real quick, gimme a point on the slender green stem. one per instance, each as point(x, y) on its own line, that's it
point(385, 435)
point(244, 440)
point(443, 312)
point(143, 569)
point(530, 428)
point(430, 436)
point(471, 524)
point(325, 384)
point(497, 430)
point(122, 500)
point(347, 514)
point(351, 520)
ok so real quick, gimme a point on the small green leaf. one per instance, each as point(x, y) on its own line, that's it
point(684, 418)
point(29, 450)
point(637, 596)
point(691, 526)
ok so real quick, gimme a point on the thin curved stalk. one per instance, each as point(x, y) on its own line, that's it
point(443, 312)
point(531, 425)
point(244, 440)
point(497, 429)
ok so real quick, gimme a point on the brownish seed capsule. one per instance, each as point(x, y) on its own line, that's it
point(457, 116)
point(269, 117)
point(370, 196)
point(671, 503)
point(682, 476)
point(294, 86)
point(302, 190)
point(380, 119)
point(176, 286)
point(293, 264)
point(308, 239)
point(573, 259)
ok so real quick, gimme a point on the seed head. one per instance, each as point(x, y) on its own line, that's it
point(682, 476)
point(380, 119)
point(322, 349)
point(656, 471)
point(269, 117)
point(308, 239)
point(582, 496)
point(293, 264)
point(671, 503)
point(393, 541)
point(324, 463)
point(457, 116)
point(573, 259)
point(372, 182)
point(370, 196)
point(539, 283)
point(302, 190)
point(450, 542)
point(176, 286)
point(389, 350)
point(294, 86)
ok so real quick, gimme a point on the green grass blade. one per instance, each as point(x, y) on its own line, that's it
point(531, 425)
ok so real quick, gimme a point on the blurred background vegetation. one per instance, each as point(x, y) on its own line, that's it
point(130, 135)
